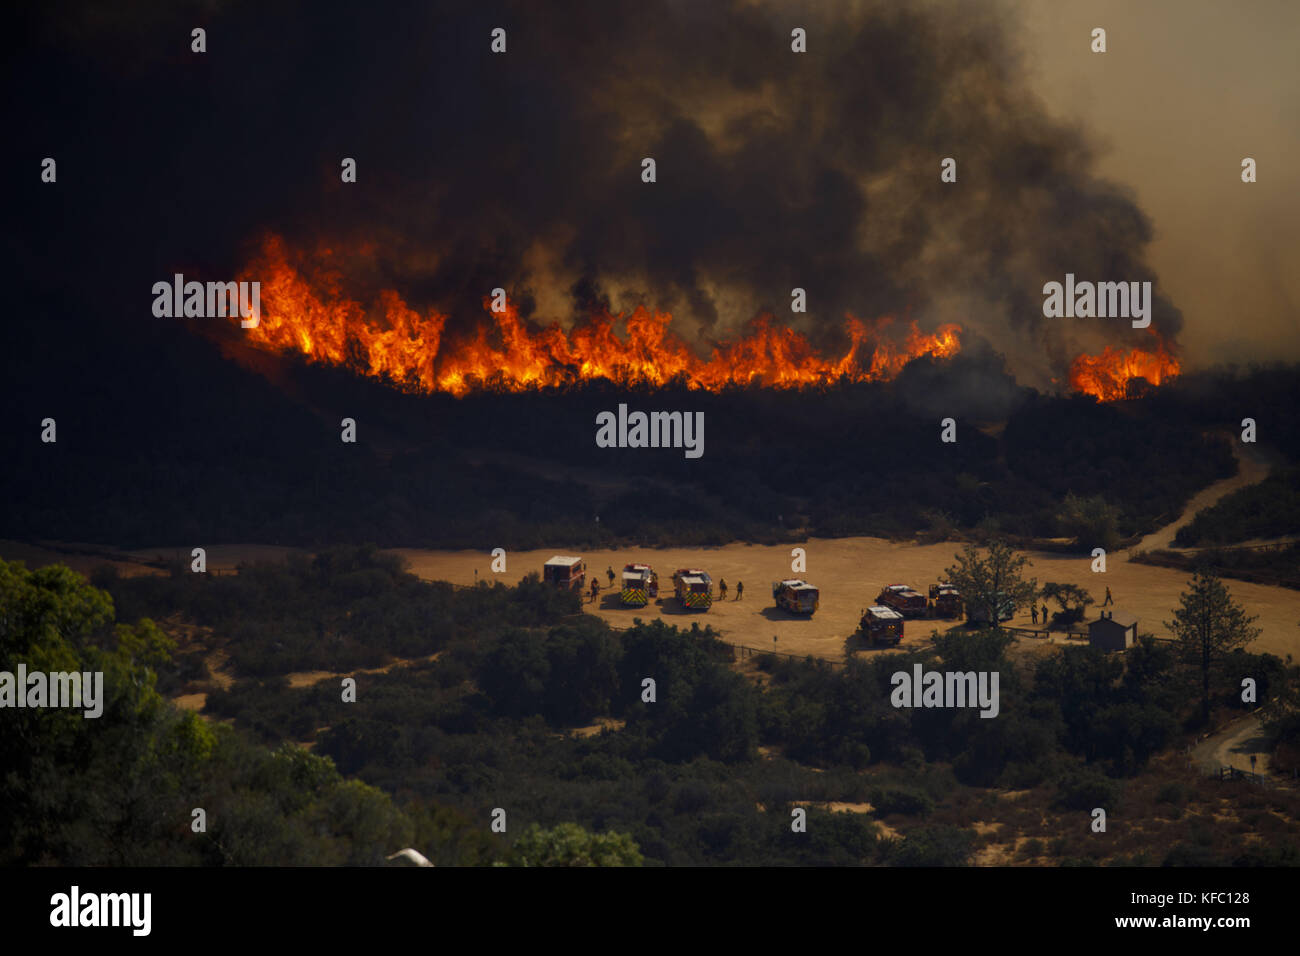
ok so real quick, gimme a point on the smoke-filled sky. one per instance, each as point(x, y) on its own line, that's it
point(775, 169)
point(1188, 89)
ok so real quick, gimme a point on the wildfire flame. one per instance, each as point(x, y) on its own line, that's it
point(308, 314)
point(304, 311)
point(1110, 376)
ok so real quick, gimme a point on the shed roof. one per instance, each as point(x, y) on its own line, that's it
point(1122, 618)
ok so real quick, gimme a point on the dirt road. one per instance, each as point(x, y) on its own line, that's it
point(1234, 746)
point(1252, 468)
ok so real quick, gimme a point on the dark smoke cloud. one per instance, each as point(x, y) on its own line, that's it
point(775, 170)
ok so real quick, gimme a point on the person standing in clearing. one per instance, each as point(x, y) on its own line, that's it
point(722, 588)
point(740, 589)
point(1033, 612)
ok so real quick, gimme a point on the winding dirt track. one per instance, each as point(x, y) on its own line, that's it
point(1234, 745)
point(1251, 469)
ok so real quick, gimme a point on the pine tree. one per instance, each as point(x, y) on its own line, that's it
point(1207, 626)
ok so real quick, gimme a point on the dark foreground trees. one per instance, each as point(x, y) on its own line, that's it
point(121, 789)
point(697, 763)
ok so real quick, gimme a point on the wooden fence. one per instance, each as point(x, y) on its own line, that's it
point(1236, 773)
point(1039, 633)
point(745, 651)
point(1276, 546)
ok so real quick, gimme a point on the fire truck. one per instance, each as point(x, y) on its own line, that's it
point(947, 600)
point(796, 596)
point(565, 572)
point(640, 585)
point(694, 588)
point(881, 625)
point(903, 599)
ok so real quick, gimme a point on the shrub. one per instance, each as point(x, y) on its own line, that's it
point(932, 846)
point(1086, 788)
point(887, 800)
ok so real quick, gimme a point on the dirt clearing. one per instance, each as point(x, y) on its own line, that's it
point(850, 573)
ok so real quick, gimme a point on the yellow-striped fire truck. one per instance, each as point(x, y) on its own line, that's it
point(694, 588)
point(640, 585)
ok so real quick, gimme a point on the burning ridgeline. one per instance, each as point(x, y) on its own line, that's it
point(309, 316)
point(415, 352)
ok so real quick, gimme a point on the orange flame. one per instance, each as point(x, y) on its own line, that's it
point(395, 343)
point(1109, 376)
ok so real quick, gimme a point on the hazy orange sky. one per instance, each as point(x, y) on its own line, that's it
point(1186, 89)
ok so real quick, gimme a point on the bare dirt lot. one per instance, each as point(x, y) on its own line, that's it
point(850, 573)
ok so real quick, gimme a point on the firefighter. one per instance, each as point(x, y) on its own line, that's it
point(722, 588)
point(1109, 599)
point(1033, 612)
point(740, 589)
point(1044, 615)
point(609, 573)
point(595, 589)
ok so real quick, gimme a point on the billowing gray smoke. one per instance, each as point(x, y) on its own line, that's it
point(775, 169)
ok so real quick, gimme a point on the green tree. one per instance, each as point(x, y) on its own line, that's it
point(1091, 522)
point(583, 672)
point(1078, 683)
point(515, 674)
point(570, 845)
point(991, 579)
point(1207, 626)
point(1071, 598)
point(119, 789)
point(568, 676)
point(702, 706)
point(931, 846)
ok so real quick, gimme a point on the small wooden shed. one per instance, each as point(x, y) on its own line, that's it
point(1114, 631)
